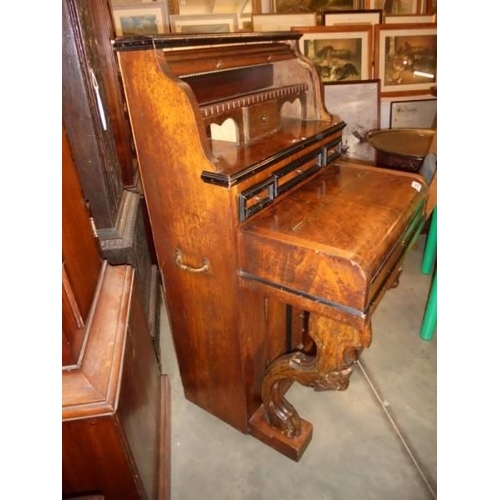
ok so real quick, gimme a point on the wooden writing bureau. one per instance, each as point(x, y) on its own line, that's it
point(273, 252)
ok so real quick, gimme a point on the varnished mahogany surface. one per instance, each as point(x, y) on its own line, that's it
point(113, 425)
point(331, 239)
point(234, 162)
point(101, 141)
point(261, 242)
point(221, 347)
point(81, 260)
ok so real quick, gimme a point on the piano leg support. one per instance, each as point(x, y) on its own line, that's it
point(338, 347)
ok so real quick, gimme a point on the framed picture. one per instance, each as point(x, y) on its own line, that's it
point(204, 23)
point(406, 58)
point(397, 6)
point(339, 53)
point(140, 19)
point(334, 17)
point(418, 113)
point(297, 6)
point(282, 22)
point(357, 103)
point(409, 18)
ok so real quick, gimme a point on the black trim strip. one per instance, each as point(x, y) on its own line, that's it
point(231, 180)
point(327, 159)
point(177, 40)
point(320, 300)
point(245, 212)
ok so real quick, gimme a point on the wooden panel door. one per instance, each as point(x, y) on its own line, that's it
point(115, 402)
point(81, 260)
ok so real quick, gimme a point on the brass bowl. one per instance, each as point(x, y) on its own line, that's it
point(401, 148)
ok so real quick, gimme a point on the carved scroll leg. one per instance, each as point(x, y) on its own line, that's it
point(338, 346)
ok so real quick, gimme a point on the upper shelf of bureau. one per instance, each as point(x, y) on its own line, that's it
point(236, 164)
point(248, 101)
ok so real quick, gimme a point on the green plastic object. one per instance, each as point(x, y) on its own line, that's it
point(429, 321)
point(430, 249)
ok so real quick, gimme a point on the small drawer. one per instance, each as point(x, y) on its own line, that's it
point(261, 119)
point(331, 152)
point(255, 199)
point(297, 171)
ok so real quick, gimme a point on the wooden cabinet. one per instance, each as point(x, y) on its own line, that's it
point(115, 403)
point(264, 239)
point(95, 118)
point(81, 261)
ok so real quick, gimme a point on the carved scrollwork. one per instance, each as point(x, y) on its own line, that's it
point(338, 347)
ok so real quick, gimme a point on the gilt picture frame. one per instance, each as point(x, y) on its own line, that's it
point(409, 18)
point(298, 6)
point(406, 58)
point(397, 7)
point(358, 104)
point(282, 22)
point(335, 17)
point(339, 53)
point(204, 23)
point(140, 19)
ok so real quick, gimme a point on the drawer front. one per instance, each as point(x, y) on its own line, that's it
point(261, 119)
point(285, 178)
point(256, 198)
point(395, 259)
point(261, 195)
point(288, 177)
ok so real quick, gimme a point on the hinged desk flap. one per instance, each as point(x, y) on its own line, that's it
point(337, 239)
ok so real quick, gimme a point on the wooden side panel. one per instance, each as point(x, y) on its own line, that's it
point(269, 328)
point(113, 403)
point(197, 219)
point(80, 248)
point(139, 410)
point(81, 258)
point(93, 460)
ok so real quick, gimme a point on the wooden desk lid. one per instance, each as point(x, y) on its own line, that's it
point(333, 240)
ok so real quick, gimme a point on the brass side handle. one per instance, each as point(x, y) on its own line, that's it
point(178, 261)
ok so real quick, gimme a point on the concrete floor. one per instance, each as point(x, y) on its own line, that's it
point(377, 440)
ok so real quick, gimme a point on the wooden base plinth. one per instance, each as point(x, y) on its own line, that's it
point(291, 447)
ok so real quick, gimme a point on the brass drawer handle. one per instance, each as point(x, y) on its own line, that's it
point(178, 261)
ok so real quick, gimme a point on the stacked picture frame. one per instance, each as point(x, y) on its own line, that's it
point(377, 59)
point(140, 18)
